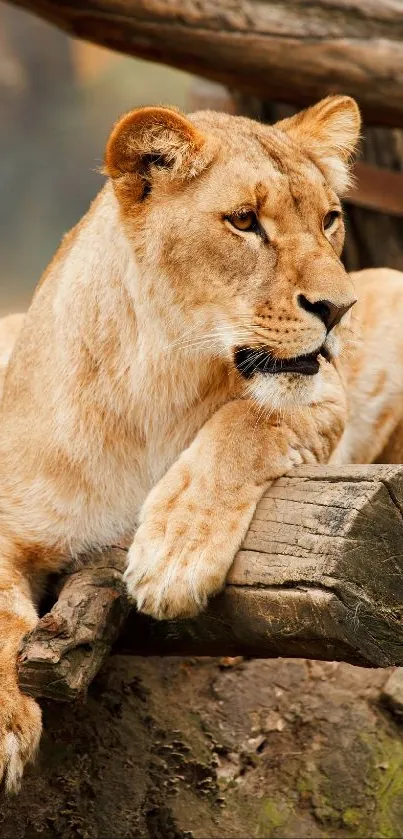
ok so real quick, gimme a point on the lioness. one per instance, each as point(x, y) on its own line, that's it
point(9, 329)
point(181, 351)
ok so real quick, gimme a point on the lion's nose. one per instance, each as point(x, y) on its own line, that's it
point(328, 312)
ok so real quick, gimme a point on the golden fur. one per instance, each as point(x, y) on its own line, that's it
point(124, 400)
point(9, 329)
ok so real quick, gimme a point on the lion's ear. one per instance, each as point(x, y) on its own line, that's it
point(329, 132)
point(147, 138)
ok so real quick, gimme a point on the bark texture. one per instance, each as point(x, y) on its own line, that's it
point(285, 51)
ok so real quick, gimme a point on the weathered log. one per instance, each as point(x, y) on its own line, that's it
point(285, 51)
point(65, 651)
point(320, 575)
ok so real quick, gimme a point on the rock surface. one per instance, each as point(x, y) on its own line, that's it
point(203, 748)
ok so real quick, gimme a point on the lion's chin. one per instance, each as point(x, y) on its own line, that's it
point(285, 390)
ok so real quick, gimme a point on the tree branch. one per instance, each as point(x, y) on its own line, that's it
point(320, 575)
point(293, 52)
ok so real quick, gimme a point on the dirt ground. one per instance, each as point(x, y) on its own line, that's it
point(174, 749)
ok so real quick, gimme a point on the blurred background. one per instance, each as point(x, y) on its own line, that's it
point(58, 100)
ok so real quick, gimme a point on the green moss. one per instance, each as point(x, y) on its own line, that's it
point(304, 785)
point(352, 817)
point(385, 783)
point(367, 803)
point(314, 786)
point(274, 815)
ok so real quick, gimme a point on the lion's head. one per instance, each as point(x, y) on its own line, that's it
point(238, 232)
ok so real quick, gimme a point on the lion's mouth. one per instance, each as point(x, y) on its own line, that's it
point(249, 361)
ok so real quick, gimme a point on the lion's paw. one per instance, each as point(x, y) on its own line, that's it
point(189, 533)
point(171, 580)
point(20, 732)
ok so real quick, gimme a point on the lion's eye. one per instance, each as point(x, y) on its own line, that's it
point(244, 220)
point(330, 219)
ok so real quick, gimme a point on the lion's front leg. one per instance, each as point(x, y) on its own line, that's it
point(191, 527)
point(195, 519)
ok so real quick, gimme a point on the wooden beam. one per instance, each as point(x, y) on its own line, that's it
point(293, 52)
point(320, 575)
point(376, 188)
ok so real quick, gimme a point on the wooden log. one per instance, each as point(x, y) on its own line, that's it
point(319, 575)
point(65, 651)
point(292, 52)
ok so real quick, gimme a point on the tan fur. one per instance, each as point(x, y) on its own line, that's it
point(123, 402)
point(373, 367)
point(10, 328)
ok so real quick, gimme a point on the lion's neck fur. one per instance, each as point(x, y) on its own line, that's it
point(130, 328)
point(112, 393)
